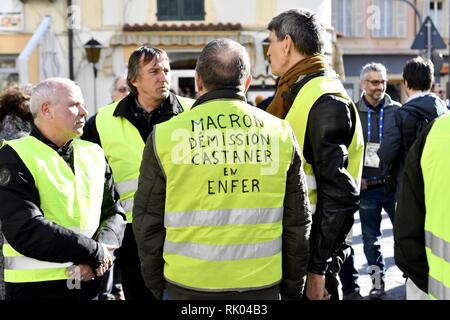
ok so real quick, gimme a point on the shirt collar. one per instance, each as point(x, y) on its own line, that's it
point(417, 95)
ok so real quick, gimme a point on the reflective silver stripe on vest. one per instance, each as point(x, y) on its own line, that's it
point(437, 289)
point(26, 263)
point(438, 246)
point(222, 217)
point(127, 205)
point(126, 186)
point(224, 252)
point(313, 208)
point(311, 182)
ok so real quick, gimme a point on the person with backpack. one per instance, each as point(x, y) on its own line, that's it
point(412, 118)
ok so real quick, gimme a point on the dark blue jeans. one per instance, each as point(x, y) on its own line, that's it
point(349, 275)
point(372, 202)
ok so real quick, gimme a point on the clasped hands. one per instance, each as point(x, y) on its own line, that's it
point(85, 271)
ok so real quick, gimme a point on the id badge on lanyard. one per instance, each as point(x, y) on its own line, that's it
point(371, 158)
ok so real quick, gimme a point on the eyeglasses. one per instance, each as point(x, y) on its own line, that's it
point(122, 89)
point(377, 82)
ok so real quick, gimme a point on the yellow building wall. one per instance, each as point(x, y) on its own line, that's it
point(91, 14)
point(14, 44)
point(265, 11)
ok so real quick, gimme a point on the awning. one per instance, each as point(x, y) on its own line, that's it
point(393, 63)
point(178, 38)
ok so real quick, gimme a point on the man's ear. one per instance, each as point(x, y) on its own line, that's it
point(288, 45)
point(46, 110)
point(248, 81)
point(199, 86)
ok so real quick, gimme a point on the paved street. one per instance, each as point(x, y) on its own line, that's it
point(395, 284)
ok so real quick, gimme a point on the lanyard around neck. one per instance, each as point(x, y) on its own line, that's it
point(369, 123)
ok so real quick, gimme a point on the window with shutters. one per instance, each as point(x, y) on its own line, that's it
point(348, 17)
point(181, 10)
point(391, 16)
point(9, 73)
point(438, 10)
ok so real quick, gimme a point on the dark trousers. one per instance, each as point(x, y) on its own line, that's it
point(179, 293)
point(112, 281)
point(349, 275)
point(372, 203)
point(132, 281)
point(52, 290)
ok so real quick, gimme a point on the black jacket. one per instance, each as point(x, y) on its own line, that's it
point(143, 121)
point(409, 223)
point(329, 132)
point(30, 233)
point(404, 128)
point(390, 108)
point(148, 218)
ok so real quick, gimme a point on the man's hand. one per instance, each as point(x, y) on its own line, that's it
point(107, 259)
point(83, 272)
point(315, 287)
point(363, 184)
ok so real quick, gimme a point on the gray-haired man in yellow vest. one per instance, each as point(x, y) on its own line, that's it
point(327, 127)
point(121, 129)
point(221, 211)
point(60, 214)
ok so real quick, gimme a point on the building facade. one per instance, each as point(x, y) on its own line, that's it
point(181, 27)
point(383, 31)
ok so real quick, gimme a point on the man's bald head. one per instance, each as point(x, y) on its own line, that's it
point(223, 63)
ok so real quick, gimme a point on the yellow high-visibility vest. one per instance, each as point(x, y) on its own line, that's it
point(70, 200)
point(123, 146)
point(434, 164)
point(226, 164)
point(298, 118)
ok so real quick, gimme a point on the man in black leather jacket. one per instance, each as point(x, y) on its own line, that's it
point(295, 55)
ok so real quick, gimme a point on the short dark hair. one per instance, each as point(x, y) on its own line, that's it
point(304, 28)
point(148, 54)
point(419, 74)
point(223, 63)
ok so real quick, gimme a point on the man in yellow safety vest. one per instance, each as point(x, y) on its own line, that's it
point(221, 211)
point(60, 215)
point(326, 124)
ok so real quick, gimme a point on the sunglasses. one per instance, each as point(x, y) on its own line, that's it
point(122, 89)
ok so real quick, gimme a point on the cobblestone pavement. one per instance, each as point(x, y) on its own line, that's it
point(394, 282)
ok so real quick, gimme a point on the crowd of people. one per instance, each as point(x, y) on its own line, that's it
point(160, 196)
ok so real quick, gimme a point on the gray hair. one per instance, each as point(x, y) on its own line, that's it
point(304, 28)
point(372, 67)
point(47, 91)
point(223, 63)
point(116, 79)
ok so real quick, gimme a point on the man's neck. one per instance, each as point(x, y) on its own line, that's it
point(53, 137)
point(148, 105)
point(412, 92)
point(373, 103)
